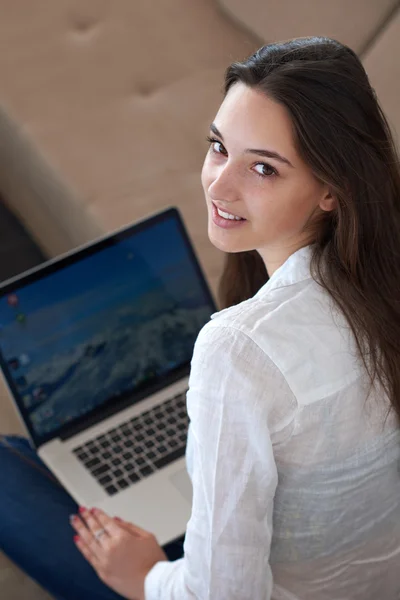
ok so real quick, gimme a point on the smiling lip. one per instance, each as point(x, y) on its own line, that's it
point(225, 223)
point(226, 211)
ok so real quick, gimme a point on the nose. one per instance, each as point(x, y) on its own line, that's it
point(223, 184)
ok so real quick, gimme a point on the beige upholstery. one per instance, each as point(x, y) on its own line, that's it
point(352, 22)
point(104, 107)
point(382, 63)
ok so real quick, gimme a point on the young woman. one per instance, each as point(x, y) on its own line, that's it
point(294, 398)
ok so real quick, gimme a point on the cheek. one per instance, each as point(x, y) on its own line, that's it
point(283, 209)
point(206, 174)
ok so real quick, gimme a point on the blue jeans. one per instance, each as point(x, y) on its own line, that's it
point(35, 532)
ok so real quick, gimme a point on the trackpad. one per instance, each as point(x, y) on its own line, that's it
point(182, 482)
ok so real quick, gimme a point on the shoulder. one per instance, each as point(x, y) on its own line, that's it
point(229, 366)
point(297, 329)
point(271, 311)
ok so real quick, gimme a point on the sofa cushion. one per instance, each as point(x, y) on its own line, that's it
point(383, 67)
point(351, 22)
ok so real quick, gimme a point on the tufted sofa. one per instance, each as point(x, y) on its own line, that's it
point(104, 107)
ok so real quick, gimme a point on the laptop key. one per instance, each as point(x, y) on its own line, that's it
point(104, 480)
point(129, 467)
point(106, 455)
point(139, 437)
point(147, 470)
point(171, 420)
point(160, 437)
point(168, 458)
point(122, 483)
point(181, 426)
point(92, 463)
point(116, 461)
point(161, 449)
point(111, 490)
point(128, 443)
point(82, 456)
point(169, 409)
point(118, 473)
point(127, 455)
point(138, 426)
point(100, 470)
point(140, 460)
point(183, 437)
point(149, 444)
point(173, 443)
point(134, 477)
point(151, 454)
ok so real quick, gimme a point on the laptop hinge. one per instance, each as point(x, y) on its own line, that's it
point(120, 404)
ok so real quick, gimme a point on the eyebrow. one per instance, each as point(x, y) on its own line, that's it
point(265, 153)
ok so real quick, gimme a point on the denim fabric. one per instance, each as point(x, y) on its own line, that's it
point(35, 532)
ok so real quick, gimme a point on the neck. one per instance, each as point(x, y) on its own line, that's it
point(275, 257)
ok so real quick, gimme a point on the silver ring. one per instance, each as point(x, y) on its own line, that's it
point(99, 533)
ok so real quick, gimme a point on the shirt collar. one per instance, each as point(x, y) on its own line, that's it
point(295, 269)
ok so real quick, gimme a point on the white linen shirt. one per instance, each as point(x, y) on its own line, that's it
point(295, 473)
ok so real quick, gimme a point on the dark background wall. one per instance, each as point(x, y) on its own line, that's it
point(18, 252)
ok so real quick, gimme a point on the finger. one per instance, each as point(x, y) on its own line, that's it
point(94, 525)
point(132, 528)
point(113, 526)
point(107, 522)
point(79, 524)
point(127, 526)
point(86, 552)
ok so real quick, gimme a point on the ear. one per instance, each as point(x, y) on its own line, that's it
point(328, 202)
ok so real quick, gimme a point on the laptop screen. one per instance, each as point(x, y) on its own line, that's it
point(95, 326)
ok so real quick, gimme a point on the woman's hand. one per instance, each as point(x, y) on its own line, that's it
point(121, 553)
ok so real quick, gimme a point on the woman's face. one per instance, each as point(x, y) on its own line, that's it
point(252, 170)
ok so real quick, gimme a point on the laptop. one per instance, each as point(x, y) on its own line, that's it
point(95, 347)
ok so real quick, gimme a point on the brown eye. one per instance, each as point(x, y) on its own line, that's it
point(217, 146)
point(266, 170)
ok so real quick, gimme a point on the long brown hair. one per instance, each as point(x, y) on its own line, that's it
point(343, 135)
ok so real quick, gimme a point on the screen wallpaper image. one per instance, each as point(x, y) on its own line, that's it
point(97, 328)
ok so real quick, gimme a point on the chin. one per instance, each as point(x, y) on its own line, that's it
point(224, 243)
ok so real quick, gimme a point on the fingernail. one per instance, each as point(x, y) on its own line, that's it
point(82, 509)
point(72, 518)
point(76, 538)
point(92, 511)
point(118, 519)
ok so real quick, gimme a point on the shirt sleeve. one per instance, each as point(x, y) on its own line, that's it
point(228, 536)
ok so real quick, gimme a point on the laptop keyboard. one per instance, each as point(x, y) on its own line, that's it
point(136, 449)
